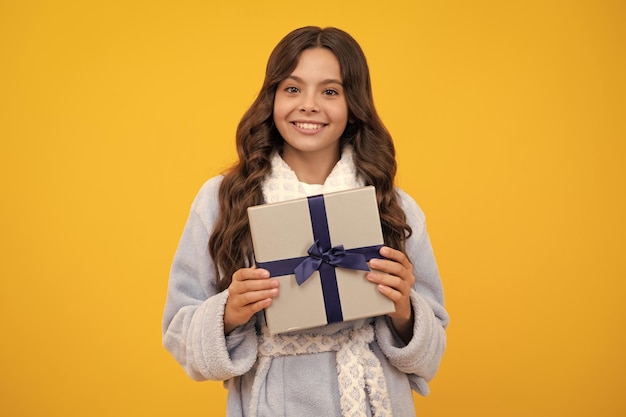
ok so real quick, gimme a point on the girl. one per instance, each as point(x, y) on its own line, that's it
point(313, 128)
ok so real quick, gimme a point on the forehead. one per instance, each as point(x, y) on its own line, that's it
point(318, 63)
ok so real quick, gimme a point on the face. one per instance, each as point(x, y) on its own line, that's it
point(310, 109)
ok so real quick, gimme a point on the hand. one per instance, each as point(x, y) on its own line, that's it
point(250, 291)
point(395, 279)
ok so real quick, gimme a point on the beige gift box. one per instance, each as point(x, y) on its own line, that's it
point(285, 234)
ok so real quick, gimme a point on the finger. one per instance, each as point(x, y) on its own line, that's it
point(389, 266)
point(236, 316)
point(388, 280)
point(251, 291)
point(258, 306)
point(245, 274)
point(396, 284)
point(253, 285)
point(252, 297)
point(395, 255)
point(389, 292)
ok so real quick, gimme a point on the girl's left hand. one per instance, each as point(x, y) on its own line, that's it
point(395, 279)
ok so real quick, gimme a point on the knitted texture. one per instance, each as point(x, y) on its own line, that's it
point(360, 373)
point(282, 183)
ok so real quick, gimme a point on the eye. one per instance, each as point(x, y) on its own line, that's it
point(292, 90)
point(330, 92)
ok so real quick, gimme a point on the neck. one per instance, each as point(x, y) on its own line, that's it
point(311, 168)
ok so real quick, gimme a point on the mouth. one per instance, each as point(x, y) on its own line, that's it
point(308, 126)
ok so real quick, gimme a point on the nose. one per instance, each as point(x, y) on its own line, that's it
point(308, 104)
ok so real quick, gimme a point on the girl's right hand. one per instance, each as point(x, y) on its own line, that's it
point(250, 291)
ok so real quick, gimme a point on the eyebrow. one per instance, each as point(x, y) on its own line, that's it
point(327, 81)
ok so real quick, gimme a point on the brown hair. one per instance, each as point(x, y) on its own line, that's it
point(257, 139)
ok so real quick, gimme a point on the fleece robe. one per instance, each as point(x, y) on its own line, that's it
point(303, 385)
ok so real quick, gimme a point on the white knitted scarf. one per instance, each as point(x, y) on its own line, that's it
point(282, 183)
point(359, 372)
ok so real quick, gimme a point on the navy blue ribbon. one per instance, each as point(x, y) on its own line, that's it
point(324, 258)
point(335, 256)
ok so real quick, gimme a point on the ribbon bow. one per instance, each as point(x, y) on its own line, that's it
point(335, 256)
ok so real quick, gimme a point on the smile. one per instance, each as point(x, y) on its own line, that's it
point(309, 126)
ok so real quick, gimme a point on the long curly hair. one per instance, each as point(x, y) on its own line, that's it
point(257, 138)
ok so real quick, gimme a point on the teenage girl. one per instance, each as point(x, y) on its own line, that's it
point(312, 129)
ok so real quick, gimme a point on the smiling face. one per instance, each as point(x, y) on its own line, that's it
point(310, 109)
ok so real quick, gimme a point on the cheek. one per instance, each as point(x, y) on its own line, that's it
point(279, 112)
point(341, 113)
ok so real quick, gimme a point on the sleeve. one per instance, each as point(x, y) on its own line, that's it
point(420, 358)
point(193, 319)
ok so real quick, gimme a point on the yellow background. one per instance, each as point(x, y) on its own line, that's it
point(509, 120)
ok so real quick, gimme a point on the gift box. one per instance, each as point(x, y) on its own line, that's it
point(318, 248)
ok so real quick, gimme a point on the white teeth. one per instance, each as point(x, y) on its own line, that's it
point(308, 126)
